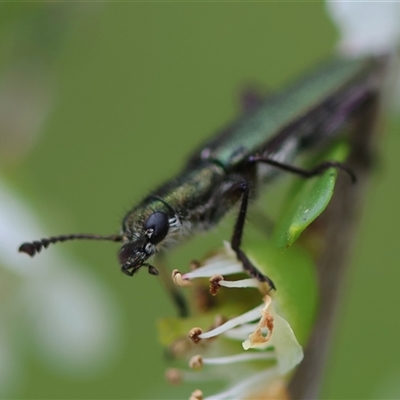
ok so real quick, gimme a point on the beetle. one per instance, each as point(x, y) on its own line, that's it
point(230, 168)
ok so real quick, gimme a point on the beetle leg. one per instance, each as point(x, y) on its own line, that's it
point(237, 235)
point(305, 173)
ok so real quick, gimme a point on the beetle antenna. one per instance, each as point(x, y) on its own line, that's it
point(32, 248)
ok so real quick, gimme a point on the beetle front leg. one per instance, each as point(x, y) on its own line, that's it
point(237, 235)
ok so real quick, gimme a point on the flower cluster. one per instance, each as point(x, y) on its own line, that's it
point(269, 350)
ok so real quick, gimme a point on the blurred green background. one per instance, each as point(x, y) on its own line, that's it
point(120, 93)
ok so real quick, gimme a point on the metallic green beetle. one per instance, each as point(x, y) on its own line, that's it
point(229, 168)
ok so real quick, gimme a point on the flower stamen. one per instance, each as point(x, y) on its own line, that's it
point(197, 362)
point(194, 334)
point(215, 284)
point(178, 280)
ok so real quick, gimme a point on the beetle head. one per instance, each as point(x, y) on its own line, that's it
point(134, 253)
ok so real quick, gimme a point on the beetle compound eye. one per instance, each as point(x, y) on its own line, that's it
point(158, 223)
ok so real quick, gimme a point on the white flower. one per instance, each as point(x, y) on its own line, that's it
point(70, 319)
point(370, 28)
point(270, 348)
point(366, 27)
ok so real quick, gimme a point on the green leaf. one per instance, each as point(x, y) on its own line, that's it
point(307, 201)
